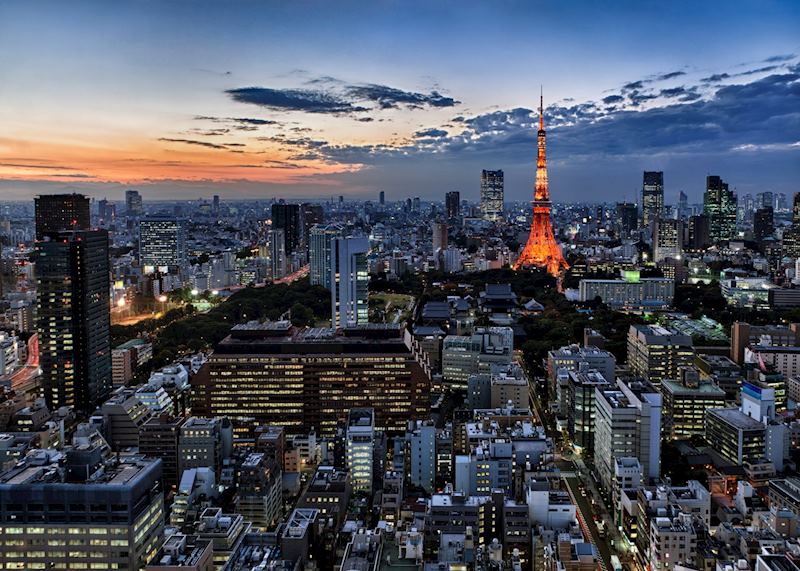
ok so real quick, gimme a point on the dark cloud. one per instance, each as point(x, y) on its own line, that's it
point(39, 166)
point(197, 143)
point(670, 75)
point(333, 96)
point(715, 78)
point(430, 133)
point(758, 70)
point(306, 100)
point(637, 98)
point(688, 125)
point(613, 99)
point(779, 58)
point(634, 85)
point(392, 98)
point(682, 93)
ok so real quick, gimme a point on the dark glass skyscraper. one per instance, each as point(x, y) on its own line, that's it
point(73, 319)
point(452, 204)
point(719, 204)
point(652, 196)
point(286, 217)
point(133, 203)
point(57, 212)
point(627, 217)
point(764, 223)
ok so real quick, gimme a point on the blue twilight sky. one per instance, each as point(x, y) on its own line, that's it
point(314, 99)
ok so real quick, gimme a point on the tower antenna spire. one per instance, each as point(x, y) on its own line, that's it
point(541, 107)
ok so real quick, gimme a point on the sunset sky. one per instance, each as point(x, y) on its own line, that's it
point(311, 99)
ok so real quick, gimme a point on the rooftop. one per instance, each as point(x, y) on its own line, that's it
point(735, 418)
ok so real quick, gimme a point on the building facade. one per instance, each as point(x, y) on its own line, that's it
point(74, 318)
point(492, 195)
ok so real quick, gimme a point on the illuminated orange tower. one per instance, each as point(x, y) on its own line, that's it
point(542, 251)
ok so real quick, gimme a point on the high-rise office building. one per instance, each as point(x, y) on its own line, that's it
point(286, 217)
point(73, 319)
point(452, 201)
point(277, 253)
point(796, 209)
point(382, 198)
point(492, 195)
point(685, 403)
point(627, 218)
point(162, 244)
point(652, 197)
point(106, 211)
point(310, 216)
point(656, 353)
point(319, 253)
point(439, 237)
point(83, 510)
point(305, 379)
point(133, 203)
point(764, 223)
point(683, 206)
point(627, 424)
point(349, 281)
point(719, 204)
point(57, 212)
point(215, 205)
point(668, 241)
point(581, 406)
point(698, 232)
point(360, 452)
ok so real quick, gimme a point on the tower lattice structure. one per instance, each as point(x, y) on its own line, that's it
point(542, 251)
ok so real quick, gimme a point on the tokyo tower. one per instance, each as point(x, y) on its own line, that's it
point(542, 251)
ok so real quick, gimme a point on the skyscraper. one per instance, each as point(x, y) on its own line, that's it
point(719, 204)
point(764, 223)
point(668, 241)
point(286, 217)
point(310, 215)
point(133, 203)
point(162, 244)
point(439, 236)
point(73, 320)
point(349, 281)
point(277, 253)
point(627, 218)
point(698, 232)
point(541, 250)
point(652, 196)
point(452, 202)
point(796, 209)
point(215, 205)
point(382, 198)
point(319, 253)
point(492, 195)
point(683, 206)
point(57, 212)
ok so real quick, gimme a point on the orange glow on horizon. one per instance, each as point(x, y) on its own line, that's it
point(151, 161)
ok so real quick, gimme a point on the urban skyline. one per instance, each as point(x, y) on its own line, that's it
point(287, 290)
point(232, 122)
